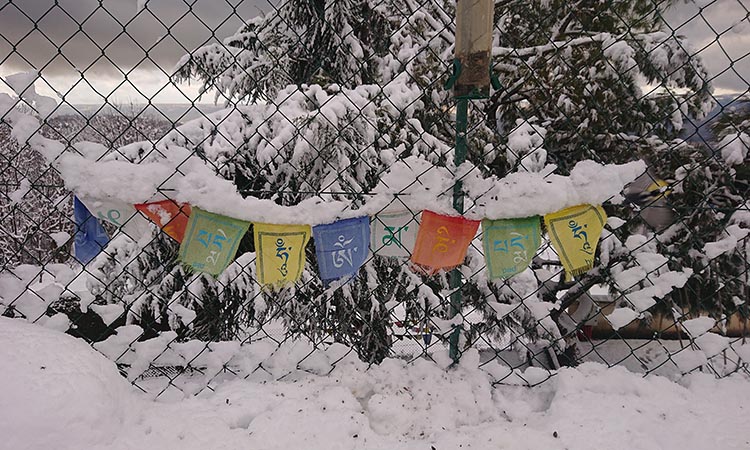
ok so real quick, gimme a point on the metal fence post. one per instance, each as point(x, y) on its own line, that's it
point(471, 80)
point(462, 106)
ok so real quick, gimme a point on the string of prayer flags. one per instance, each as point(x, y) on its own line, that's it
point(211, 241)
point(433, 243)
point(574, 233)
point(394, 233)
point(280, 252)
point(342, 248)
point(90, 237)
point(442, 241)
point(122, 215)
point(171, 217)
point(510, 244)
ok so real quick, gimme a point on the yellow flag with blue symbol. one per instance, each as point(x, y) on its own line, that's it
point(574, 233)
point(280, 252)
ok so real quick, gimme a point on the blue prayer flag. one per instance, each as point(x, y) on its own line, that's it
point(90, 236)
point(341, 247)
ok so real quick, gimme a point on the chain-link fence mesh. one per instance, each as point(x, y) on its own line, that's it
point(334, 107)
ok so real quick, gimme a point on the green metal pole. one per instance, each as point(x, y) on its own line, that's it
point(462, 106)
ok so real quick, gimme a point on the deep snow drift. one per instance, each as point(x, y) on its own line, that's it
point(59, 393)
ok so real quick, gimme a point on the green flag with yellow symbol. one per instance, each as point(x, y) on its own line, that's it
point(211, 241)
point(510, 244)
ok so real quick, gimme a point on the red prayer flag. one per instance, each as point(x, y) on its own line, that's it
point(171, 217)
point(442, 241)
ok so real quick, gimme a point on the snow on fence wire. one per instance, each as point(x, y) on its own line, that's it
point(334, 109)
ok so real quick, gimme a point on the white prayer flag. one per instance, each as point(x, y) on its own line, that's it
point(120, 214)
point(394, 233)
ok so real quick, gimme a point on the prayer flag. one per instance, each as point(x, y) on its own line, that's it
point(280, 251)
point(171, 217)
point(341, 247)
point(442, 241)
point(394, 233)
point(122, 215)
point(90, 236)
point(574, 233)
point(211, 241)
point(510, 244)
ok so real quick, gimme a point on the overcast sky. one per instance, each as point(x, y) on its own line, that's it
point(102, 27)
point(185, 28)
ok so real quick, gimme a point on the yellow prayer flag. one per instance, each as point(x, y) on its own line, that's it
point(280, 251)
point(574, 233)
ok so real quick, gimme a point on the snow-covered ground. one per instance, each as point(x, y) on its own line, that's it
point(59, 393)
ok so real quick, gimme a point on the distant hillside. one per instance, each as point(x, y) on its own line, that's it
point(173, 112)
point(701, 131)
point(181, 113)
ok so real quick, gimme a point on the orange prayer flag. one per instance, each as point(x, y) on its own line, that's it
point(171, 217)
point(442, 241)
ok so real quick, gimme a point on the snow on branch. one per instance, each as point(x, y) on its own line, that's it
point(525, 194)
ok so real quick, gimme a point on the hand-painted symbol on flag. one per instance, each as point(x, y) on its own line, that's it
point(343, 254)
point(394, 233)
point(342, 247)
point(171, 217)
point(122, 215)
point(510, 244)
point(442, 241)
point(90, 237)
point(280, 251)
point(574, 233)
point(211, 241)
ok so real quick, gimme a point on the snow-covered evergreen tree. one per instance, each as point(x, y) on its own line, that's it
point(607, 81)
point(337, 92)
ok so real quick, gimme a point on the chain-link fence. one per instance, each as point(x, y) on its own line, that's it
point(338, 109)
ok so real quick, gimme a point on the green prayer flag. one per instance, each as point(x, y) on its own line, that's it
point(510, 244)
point(211, 241)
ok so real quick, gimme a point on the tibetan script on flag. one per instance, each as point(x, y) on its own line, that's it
point(211, 241)
point(394, 233)
point(442, 241)
point(90, 237)
point(341, 247)
point(280, 252)
point(171, 217)
point(574, 233)
point(510, 244)
point(120, 214)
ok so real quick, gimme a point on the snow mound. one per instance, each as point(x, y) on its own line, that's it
point(108, 313)
point(734, 235)
point(621, 317)
point(734, 148)
point(712, 344)
point(524, 194)
point(699, 325)
point(57, 391)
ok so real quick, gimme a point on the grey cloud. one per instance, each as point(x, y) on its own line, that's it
point(82, 28)
point(191, 23)
point(719, 33)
